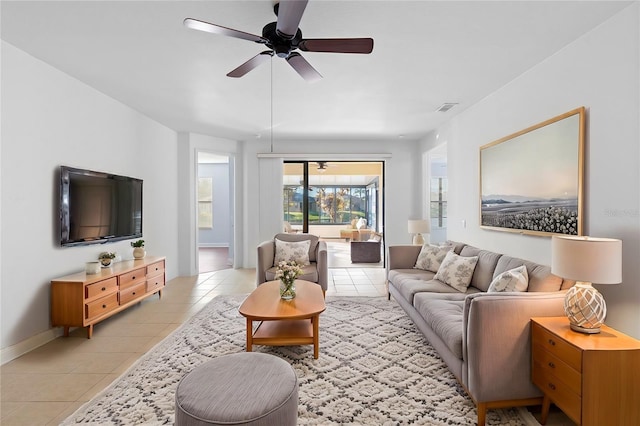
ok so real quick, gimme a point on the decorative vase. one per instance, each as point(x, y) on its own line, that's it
point(287, 289)
point(139, 253)
point(93, 268)
point(106, 262)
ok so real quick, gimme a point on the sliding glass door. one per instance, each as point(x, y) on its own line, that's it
point(323, 197)
point(295, 199)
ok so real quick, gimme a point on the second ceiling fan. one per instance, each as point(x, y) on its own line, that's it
point(283, 38)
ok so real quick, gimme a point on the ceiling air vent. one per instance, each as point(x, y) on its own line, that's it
point(446, 106)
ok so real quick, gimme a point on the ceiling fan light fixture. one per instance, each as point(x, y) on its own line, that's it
point(446, 106)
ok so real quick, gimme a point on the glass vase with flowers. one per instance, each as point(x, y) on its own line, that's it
point(287, 272)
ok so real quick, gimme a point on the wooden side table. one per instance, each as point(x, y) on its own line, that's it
point(593, 378)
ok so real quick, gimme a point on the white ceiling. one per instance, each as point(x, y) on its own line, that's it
point(425, 53)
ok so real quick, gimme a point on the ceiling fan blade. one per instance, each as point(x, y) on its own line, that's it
point(251, 64)
point(289, 16)
point(337, 45)
point(303, 67)
point(219, 29)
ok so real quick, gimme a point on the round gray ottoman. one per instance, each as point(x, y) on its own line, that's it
point(240, 389)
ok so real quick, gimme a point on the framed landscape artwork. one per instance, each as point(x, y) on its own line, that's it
point(531, 182)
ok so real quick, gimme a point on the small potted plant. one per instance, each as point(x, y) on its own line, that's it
point(106, 258)
point(138, 249)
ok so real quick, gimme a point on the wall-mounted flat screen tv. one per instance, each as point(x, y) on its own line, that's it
point(97, 207)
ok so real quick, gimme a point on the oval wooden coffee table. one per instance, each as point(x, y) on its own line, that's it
point(284, 322)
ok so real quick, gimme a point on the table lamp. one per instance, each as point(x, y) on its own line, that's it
point(417, 227)
point(586, 260)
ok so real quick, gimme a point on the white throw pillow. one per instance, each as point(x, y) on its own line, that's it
point(431, 257)
point(287, 251)
point(516, 279)
point(457, 271)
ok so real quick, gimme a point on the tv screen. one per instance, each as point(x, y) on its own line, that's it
point(98, 207)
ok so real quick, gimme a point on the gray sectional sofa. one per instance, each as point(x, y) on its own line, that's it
point(484, 338)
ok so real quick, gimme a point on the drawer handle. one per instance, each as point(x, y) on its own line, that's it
point(552, 365)
point(552, 342)
point(104, 288)
point(552, 386)
point(104, 306)
point(133, 277)
point(156, 269)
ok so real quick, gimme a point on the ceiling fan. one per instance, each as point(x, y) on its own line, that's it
point(322, 166)
point(283, 38)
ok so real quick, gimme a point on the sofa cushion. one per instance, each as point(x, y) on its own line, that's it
point(313, 242)
point(408, 287)
point(515, 279)
point(457, 271)
point(309, 273)
point(456, 245)
point(431, 257)
point(444, 317)
point(540, 278)
point(395, 275)
point(287, 251)
point(487, 261)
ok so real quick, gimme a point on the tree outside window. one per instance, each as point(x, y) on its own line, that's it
point(327, 204)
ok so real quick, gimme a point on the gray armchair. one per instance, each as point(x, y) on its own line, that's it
point(316, 272)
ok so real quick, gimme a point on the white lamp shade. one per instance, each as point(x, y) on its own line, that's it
point(418, 226)
point(588, 259)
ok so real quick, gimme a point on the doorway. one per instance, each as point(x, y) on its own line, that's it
point(214, 197)
point(437, 186)
point(341, 202)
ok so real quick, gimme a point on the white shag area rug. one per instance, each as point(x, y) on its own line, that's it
point(375, 368)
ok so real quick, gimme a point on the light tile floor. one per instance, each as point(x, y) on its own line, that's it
point(48, 384)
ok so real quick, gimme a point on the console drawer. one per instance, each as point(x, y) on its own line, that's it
point(132, 293)
point(101, 288)
point(101, 306)
point(155, 283)
point(132, 278)
point(155, 269)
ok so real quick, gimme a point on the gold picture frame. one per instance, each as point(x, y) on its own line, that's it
point(532, 181)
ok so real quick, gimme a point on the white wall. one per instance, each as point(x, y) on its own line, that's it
point(599, 71)
point(50, 119)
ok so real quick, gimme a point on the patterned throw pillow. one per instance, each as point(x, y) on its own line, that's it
point(431, 257)
point(297, 251)
point(516, 279)
point(457, 271)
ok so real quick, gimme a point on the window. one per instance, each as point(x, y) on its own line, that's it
point(205, 202)
point(438, 202)
point(327, 204)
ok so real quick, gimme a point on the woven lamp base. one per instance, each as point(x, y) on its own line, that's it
point(585, 308)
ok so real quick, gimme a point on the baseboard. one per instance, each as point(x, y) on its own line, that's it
point(205, 245)
point(12, 352)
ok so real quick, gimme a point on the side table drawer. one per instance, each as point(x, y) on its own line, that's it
point(132, 278)
point(557, 347)
point(132, 293)
point(559, 393)
point(101, 288)
point(101, 306)
point(552, 365)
